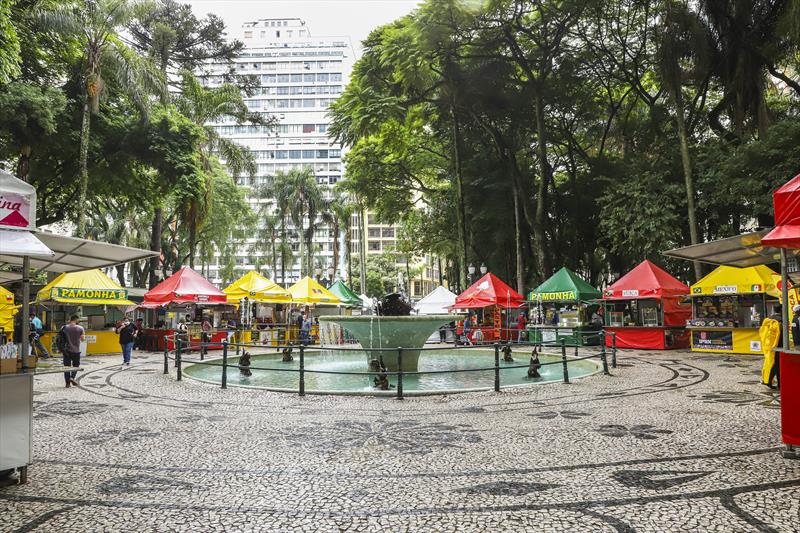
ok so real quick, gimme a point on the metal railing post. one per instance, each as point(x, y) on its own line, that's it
point(238, 336)
point(302, 385)
point(613, 350)
point(603, 355)
point(564, 360)
point(225, 364)
point(399, 373)
point(166, 357)
point(178, 359)
point(496, 367)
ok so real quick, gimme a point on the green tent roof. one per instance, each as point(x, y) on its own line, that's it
point(564, 285)
point(343, 292)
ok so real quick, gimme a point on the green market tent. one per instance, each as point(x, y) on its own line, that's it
point(345, 294)
point(564, 286)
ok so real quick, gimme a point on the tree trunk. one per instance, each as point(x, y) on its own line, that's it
point(274, 255)
point(192, 235)
point(155, 244)
point(545, 175)
point(518, 241)
point(302, 239)
point(24, 163)
point(461, 217)
point(335, 247)
point(349, 250)
point(121, 274)
point(362, 218)
point(83, 177)
point(686, 161)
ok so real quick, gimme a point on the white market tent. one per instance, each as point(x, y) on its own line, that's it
point(437, 302)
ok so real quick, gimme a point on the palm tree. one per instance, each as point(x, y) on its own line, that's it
point(300, 195)
point(340, 210)
point(204, 106)
point(268, 223)
point(95, 23)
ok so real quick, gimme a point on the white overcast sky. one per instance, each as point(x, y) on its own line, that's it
point(353, 18)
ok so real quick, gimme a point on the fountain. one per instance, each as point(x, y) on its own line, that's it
point(392, 327)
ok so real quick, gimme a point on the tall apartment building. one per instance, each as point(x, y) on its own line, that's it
point(299, 75)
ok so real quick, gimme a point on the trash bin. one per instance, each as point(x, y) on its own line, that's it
point(790, 401)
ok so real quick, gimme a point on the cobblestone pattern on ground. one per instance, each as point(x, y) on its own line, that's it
point(671, 441)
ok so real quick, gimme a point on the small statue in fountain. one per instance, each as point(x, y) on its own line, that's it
point(244, 365)
point(381, 380)
point(535, 365)
point(394, 304)
point(507, 353)
point(287, 354)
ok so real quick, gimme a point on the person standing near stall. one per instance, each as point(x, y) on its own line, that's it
point(36, 332)
point(127, 337)
point(206, 334)
point(73, 336)
point(521, 323)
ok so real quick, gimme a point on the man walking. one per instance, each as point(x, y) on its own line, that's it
point(205, 338)
point(37, 330)
point(73, 335)
point(127, 336)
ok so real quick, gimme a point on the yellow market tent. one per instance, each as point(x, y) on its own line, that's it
point(7, 311)
point(733, 280)
point(257, 288)
point(88, 287)
point(308, 291)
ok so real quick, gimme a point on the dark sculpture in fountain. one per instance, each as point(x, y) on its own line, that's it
point(507, 353)
point(244, 365)
point(287, 354)
point(394, 304)
point(535, 365)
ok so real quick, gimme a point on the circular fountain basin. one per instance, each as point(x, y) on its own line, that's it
point(354, 361)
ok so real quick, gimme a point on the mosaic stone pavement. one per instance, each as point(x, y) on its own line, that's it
point(672, 441)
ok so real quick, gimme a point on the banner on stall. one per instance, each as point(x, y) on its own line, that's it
point(712, 340)
point(562, 296)
point(65, 294)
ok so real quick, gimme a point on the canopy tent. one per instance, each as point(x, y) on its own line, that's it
point(184, 287)
point(786, 202)
point(309, 291)
point(564, 286)
point(89, 287)
point(7, 311)
point(436, 303)
point(647, 281)
point(345, 294)
point(257, 288)
point(366, 301)
point(741, 251)
point(488, 290)
point(732, 280)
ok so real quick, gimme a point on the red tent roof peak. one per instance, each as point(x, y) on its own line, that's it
point(646, 280)
point(184, 286)
point(488, 290)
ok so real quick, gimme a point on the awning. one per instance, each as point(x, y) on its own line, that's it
point(308, 291)
point(256, 288)
point(69, 254)
point(88, 287)
point(741, 251)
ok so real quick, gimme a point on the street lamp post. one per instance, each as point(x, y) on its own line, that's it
point(483, 269)
point(471, 272)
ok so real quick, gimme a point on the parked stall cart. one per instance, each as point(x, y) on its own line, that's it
point(647, 309)
point(728, 306)
point(561, 308)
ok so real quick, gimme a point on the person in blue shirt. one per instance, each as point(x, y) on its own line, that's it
point(37, 330)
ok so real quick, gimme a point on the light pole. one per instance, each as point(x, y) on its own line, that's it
point(471, 272)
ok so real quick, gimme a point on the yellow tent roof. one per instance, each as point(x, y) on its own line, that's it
point(257, 288)
point(7, 310)
point(308, 291)
point(89, 287)
point(732, 280)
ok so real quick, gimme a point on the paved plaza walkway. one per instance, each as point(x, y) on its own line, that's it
point(672, 441)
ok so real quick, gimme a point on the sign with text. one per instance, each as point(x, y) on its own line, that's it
point(61, 293)
point(712, 340)
point(562, 296)
point(17, 203)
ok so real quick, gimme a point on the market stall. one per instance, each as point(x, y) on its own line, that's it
point(346, 295)
point(493, 306)
point(26, 250)
point(561, 308)
point(7, 312)
point(647, 309)
point(728, 306)
point(186, 294)
point(438, 302)
point(97, 299)
point(307, 296)
point(262, 304)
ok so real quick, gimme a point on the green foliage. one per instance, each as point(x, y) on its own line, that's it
point(9, 44)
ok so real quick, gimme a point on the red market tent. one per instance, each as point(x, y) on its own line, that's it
point(647, 281)
point(489, 290)
point(786, 201)
point(184, 286)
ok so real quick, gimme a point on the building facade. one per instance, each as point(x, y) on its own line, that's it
point(299, 75)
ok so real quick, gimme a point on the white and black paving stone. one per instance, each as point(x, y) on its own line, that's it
point(671, 441)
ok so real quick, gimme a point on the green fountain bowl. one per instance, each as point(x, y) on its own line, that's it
point(377, 333)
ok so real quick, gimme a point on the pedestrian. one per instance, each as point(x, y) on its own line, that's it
point(466, 328)
point(442, 334)
point(139, 343)
point(521, 323)
point(69, 342)
point(127, 337)
point(775, 370)
point(305, 331)
point(796, 325)
point(206, 334)
point(36, 332)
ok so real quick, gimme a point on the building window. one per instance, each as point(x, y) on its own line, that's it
point(248, 34)
point(308, 128)
point(388, 232)
point(374, 246)
point(374, 232)
point(277, 33)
